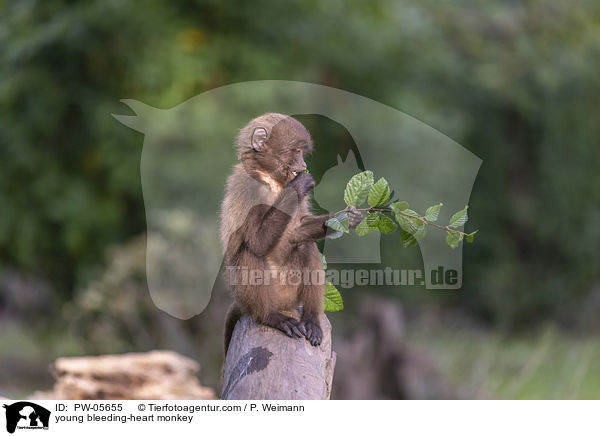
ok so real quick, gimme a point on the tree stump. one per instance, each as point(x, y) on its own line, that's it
point(264, 364)
point(158, 375)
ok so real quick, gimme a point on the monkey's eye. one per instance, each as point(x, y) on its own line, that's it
point(298, 150)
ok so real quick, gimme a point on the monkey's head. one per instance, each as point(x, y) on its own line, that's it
point(274, 145)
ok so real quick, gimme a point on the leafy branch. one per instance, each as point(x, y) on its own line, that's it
point(385, 215)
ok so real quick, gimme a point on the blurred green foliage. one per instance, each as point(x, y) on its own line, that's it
point(542, 365)
point(515, 82)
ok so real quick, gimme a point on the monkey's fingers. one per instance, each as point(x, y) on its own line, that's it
point(309, 333)
point(295, 327)
point(355, 216)
point(315, 341)
point(288, 325)
point(285, 328)
point(297, 331)
point(314, 334)
point(355, 220)
point(316, 337)
point(302, 328)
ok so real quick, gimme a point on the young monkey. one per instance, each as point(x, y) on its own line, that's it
point(268, 232)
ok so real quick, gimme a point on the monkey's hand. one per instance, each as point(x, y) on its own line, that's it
point(355, 216)
point(303, 183)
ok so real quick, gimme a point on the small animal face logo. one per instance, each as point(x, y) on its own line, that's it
point(26, 415)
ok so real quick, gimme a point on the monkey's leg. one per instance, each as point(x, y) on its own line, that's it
point(311, 293)
point(264, 302)
point(312, 305)
point(312, 327)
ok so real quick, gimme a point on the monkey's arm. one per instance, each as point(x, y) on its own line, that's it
point(311, 228)
point(265, 224)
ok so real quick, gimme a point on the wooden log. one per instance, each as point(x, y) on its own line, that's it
point(264, 364)
point(159, 375)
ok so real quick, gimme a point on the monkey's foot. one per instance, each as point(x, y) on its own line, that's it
point(286, 324)
point(313, 334)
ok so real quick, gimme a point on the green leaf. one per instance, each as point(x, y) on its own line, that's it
point(407, 239)
point(410, 212)
point(358, 188)
point(379, 194)
point(408, 223)
point(385, 224)
point(470, 236)
point(421, 231)
point(323, 261)
point(399, 206)
point(453, 238)
point(339, 222)
point(432, 213)
point(459, 218)
point(376, 221)
point(368, 225)
point(333, 300)
point(364, 228)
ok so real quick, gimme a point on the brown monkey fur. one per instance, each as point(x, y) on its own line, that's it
point(266, 225)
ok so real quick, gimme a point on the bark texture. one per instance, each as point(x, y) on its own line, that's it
point(264, 364)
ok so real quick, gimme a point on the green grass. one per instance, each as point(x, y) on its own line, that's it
point(547, 365)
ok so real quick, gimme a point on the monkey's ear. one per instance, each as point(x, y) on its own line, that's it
point(259, 138)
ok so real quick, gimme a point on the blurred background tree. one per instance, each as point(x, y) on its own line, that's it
point(515, 82)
